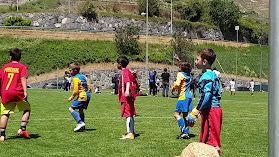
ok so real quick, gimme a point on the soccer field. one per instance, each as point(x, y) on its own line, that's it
point(244, 130)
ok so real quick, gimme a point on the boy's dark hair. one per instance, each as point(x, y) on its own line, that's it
point(123, 60)
point(185, 67)
point(232, 79)
point(74, 66)
point(165, 69)
point(207, 54)
point(15, 53)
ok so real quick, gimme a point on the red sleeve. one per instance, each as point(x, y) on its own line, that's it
point(1, 73)
point(126, 76)
point(24, 72)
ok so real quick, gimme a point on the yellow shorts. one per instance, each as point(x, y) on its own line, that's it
point(9, 107)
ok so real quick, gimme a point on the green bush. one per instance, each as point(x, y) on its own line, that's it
point(153, 7)
point(251, 28)
point(190, 10)
point(17, 21)
point(225, 15)
point(126, 39)
point(183, 47)
point(87, 9)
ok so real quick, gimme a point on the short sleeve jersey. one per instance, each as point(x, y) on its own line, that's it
point(182, 84)
point(165, 76)
point(209, 91)
point(11, 85)
point(82, 88)
point(125, 77)
point(232, 83)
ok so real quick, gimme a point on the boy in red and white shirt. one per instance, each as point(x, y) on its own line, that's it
point(127, 96)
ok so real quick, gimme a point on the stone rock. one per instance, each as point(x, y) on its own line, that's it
point(58, 25)
point(36, 23)
point(64, 21)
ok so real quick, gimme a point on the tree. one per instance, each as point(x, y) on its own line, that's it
point(87, 9)
point(153, 7)
point(126, 39)
point(182, 47)
point(191, 10)
point(225, 15)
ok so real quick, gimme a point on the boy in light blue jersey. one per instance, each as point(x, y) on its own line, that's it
point(184, 103)
point(209, 101)
point(82, 90)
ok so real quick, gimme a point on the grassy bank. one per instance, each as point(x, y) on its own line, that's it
point(44, 55)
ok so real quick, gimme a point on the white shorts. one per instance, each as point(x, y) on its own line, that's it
point(252, 89)
point(232, 90)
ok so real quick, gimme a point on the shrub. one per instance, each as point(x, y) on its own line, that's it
point(225, 15)
point(126, 39)
point(190, 10)
point(17, 21)
point(87, 9)
point(183, 47)
point(153, 7)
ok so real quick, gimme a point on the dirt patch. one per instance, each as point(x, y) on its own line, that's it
point(100, 36)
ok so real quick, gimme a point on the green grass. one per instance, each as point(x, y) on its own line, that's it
point(244, 130)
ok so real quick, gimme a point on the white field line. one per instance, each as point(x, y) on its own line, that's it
point(117, 118)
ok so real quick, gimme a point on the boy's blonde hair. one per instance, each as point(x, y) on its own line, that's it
point(185, 67)
point(74, 66)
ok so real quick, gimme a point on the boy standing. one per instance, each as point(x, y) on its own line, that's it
point(166, 79)
point(209, 101)
point(184, 103)
point(14, 93)
point(127, 97)
point(232, 87)
point(82, 90)
point(252, 85)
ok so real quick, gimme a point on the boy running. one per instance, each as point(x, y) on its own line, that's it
point(82, 90)
point(13, 78)
point(252, 85)
point(232, 87)
point(127, 97)
point(209, 101)
point(184, 103)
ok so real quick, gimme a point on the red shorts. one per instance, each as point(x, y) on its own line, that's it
point(211, 122)
point(128, 109)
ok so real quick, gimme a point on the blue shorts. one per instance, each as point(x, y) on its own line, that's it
point(80, 104)
point(184, 105)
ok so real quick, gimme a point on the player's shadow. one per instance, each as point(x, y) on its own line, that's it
point(192, 135)
point(138, 135)
point(33, 136)
point(85, 130)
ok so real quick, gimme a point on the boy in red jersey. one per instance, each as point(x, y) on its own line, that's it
point(13, 78)
point(127, 97)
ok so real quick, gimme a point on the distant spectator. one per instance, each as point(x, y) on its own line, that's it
point(232, 87)
point(98, 90)
point(252, 84)
point(217, 73)
point(115, 80)
point(152, 83)
point(166, 79)
point(135, 74)
point(193, 84)
point(223, 86)
point(65, 80)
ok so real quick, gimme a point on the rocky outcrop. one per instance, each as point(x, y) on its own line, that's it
point(72, 21)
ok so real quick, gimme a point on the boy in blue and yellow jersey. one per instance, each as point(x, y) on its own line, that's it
point(82, 90)
point(184, 103)
point(209, 101)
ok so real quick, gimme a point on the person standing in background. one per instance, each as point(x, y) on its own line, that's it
point(166, 79)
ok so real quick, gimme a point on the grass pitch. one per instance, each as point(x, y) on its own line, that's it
point(244, 130)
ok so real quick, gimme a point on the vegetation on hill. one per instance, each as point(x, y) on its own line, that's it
point(45, 55)
point(218, 14)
